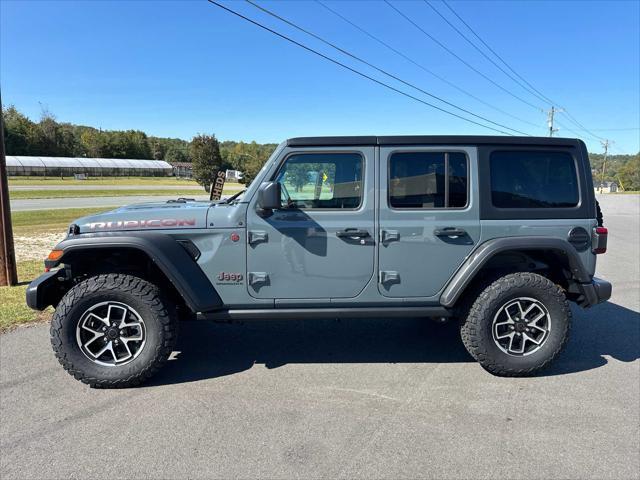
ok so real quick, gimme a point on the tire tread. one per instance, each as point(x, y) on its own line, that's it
point(146, 292)
point(479, 312)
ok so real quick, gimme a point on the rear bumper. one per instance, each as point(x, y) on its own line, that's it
point(44, 290)
point(596, 292)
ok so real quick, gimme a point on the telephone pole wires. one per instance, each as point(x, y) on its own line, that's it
point(8, 273)
point(550, 117)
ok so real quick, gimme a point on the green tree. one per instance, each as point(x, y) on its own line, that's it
point(298, 175)
point(176, 154)
point(206, 158)
point(629, 174)
point(246, 157)
point(18, 132)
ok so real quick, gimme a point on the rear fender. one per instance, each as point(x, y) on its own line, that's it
point(483, 254)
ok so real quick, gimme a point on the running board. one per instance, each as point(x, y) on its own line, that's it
point(306, 313)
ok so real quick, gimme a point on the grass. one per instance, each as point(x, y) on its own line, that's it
point(24, 194)
point(34, 221)
point(13, 309)
point(31, 181)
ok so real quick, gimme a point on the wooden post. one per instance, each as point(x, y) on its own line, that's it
point(8, 273)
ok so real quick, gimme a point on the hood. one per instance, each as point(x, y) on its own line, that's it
point(148, 216)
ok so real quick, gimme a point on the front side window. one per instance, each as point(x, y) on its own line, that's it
point(428, 180)
point(522, 179)
point(322, 180)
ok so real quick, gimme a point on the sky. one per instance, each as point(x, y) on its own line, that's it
point(177, 69)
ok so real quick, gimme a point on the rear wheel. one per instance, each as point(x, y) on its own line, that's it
point(517, 325)
point(113, 330)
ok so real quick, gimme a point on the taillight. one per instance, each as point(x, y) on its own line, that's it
point(599, 240)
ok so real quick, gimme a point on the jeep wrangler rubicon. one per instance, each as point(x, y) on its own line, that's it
point(499, 233)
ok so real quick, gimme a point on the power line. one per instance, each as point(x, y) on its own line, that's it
point(422, 67)
point(451, 52)
point(582, 127)
point(384, 72)
point(563, 126)
point(547, 99)
point(615, 129)
point(566, 112)
point(525, 87)
point(351, 69)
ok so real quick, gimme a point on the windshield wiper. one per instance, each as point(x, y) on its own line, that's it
point(232, 197)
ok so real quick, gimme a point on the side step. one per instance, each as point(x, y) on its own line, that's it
point(305, 313)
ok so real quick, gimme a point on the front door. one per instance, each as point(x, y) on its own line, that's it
point(429, 219)
point(320, 244)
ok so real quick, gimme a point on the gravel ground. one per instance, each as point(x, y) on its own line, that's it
point(36, 247)
point(350, 399)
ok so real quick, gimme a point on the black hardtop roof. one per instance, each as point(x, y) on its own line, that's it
point(430, 140)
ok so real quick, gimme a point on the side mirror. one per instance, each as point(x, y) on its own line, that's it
point(269, 196)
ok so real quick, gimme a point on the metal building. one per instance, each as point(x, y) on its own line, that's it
point(91, 167)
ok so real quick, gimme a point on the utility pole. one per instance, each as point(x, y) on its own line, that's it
point(605, 145)
point(550, 116)
point(8, 273)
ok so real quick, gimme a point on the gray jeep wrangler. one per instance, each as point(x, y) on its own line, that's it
point(496, 232)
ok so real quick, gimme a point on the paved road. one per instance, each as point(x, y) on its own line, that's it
point(350, 399)
point(88, 202)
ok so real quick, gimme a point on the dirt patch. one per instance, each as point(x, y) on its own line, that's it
point(37, 246)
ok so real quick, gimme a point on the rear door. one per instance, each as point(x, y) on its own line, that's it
point(320, 244)
point(428, 220)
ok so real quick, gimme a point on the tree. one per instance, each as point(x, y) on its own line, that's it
point(176, 154)
point(206, 158)
point(18, 132)
point(298, 175)
point(246, 157)
point(629, 174)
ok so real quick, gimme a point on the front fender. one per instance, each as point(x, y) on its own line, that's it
point(164, 251)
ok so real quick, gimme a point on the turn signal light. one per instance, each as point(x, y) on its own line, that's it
point(55, 255)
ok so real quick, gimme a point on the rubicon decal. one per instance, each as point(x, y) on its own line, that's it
point(153, 223)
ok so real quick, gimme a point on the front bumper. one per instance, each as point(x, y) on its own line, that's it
point(45, 290)
point(596, 292)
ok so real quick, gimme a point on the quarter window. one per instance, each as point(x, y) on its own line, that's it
point(428, 180)
point(322, 180)
point(522, 179)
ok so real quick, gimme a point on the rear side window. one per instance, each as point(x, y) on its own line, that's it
point(428, 180)
point(522, 179)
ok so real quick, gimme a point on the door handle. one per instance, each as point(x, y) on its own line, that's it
point(449, 232)
point(352, 233)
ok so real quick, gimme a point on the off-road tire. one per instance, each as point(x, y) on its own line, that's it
point(476, 330)
point(161, 327)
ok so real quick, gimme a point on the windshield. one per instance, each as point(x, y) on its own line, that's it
point(253, 186)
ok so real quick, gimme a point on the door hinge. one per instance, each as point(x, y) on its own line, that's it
point(387, 236)
point(257, 236)
point(389, 277)
point(258, 278)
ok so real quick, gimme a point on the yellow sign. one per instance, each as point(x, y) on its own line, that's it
point(324, 177)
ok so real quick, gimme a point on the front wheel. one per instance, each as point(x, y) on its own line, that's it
point(517, 325)
point(113, 330)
